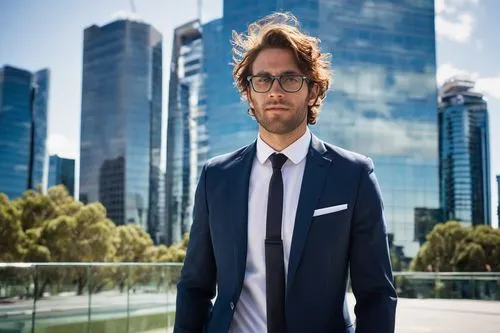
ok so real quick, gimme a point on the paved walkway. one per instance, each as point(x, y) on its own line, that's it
point(438, 316)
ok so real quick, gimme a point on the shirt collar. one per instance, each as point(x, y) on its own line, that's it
point(295, 152)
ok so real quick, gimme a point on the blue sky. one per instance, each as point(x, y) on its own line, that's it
point(37, 34)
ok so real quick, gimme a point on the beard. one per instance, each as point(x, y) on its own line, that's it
point(283, 122)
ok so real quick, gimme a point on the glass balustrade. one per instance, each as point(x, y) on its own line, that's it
point(140, 297)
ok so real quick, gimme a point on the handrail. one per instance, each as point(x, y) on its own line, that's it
point(85, 264)
point(414, 274)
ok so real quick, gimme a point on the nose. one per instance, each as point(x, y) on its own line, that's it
point(276, 90)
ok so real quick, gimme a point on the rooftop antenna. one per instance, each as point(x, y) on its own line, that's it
point(132, 7)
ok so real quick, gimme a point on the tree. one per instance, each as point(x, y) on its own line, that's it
point(480, 250)
point(53, 227)
point(35, 208)
point(132, 244)
point(93, 241)
point(470, 257)
point(63, 202)
point(13, 246)
point(94, 234)
point(438, 252)
point(453, 247)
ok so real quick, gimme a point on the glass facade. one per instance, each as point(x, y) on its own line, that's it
point(121, 121)
point(62, 172)
point(39, 170)
point(186, 132)
point(498, 198)
point(382, 102)
point(425, 220)
point(464, 167)
point(23, 130)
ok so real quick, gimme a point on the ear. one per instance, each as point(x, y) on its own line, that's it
point(313, 94)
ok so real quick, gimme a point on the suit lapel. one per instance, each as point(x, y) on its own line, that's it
point(315, 171)
point(237, 206)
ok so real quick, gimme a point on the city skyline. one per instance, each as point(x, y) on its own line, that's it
point(461, 27)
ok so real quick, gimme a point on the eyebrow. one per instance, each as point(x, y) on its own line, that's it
point(283, 73)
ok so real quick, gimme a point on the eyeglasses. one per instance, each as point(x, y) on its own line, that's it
point(288, 82)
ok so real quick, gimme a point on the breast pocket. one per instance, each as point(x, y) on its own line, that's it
point(331, 225)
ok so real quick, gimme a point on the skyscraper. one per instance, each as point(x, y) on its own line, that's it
point(187, 139)
point(121, 121)
point(382, 102)
point(498, 198)
point(23, 129)
point(62, 172)
point(464, 161)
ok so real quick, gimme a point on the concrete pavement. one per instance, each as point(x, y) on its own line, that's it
point(436, 316)
point(413, 315)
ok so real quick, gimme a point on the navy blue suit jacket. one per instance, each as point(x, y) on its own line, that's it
point(323, 250)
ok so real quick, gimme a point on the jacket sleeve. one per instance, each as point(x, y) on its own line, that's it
point(370, 265)
point(196, 287)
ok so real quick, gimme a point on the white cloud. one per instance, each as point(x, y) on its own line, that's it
point(489, 85)
point(62, 146)
point(452, 6)
point(458, 31)
point(454, 19)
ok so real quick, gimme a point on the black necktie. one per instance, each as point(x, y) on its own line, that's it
point(275, 266)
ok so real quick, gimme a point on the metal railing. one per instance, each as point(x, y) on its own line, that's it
point(140, 297)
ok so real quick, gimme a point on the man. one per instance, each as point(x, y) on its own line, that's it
point(277, 224)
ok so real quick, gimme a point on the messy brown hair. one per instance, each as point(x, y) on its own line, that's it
point(281, 30)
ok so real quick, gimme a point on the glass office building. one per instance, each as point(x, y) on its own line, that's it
point(464, 167)
point(498, 199)
point(121, 121)
point(39, 129)
point(382, 102)
point(186, 131)
point(62, 172)
point(23, 129)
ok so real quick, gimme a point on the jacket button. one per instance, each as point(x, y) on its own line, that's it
point(231, 305)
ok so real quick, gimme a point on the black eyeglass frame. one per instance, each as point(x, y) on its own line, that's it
point(278, 78)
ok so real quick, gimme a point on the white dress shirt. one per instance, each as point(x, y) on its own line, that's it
point(250, 313)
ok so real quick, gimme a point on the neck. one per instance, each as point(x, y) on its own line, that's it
point(280, 141)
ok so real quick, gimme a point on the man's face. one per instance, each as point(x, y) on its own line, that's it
point(278, 111)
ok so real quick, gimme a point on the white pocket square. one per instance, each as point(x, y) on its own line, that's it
point(328, 210)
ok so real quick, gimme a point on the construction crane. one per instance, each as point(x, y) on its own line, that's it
point(199, 9)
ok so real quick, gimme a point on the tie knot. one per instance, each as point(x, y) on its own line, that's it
point(278, 160)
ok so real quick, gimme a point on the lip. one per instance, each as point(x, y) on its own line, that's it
point(276, 108)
